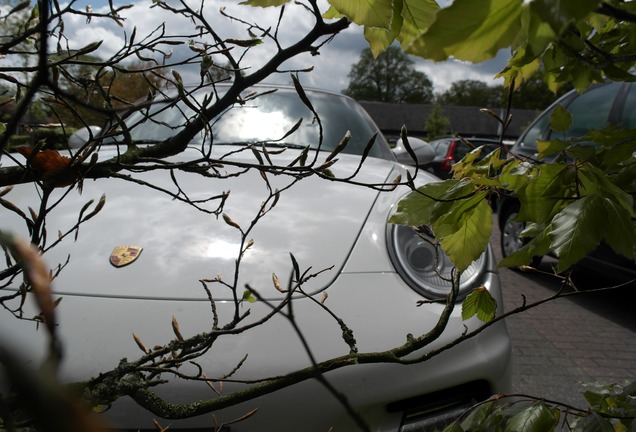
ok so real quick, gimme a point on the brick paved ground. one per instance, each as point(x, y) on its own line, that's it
point(563, 345)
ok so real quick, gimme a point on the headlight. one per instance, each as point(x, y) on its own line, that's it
point(424, 265)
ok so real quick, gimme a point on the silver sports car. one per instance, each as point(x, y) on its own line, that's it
point(278, 269)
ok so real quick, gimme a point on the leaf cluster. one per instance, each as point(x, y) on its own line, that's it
point(584, 197)
point(457, 213)
point(570, 41)
point(610, 408)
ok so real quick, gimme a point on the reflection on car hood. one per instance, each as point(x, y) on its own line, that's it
point(316, 220)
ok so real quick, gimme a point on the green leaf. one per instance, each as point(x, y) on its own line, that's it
point(473, 155)
point(618, 229)
point(248, 296)
point(560, 14)
point(538, 246)
point(594, 399)
point(582, 152)
point(379, 39)
point(483, 172)
point(582, 77)
point(539, 33)
point(549, 148)
point(516, 174)
point(544, 195)
point(454, 206)
point(417, 207)
point(593, 423)
point(484, 417)
point(577, 230)
point(370, 13)
point(417, 17)
point(453, 427)
point(460, 218)
point(332, 13)
point(479, 302)
point(617, 145)
point(466, 240)
point(537, 417)
point(560, 119)
point(471, 30)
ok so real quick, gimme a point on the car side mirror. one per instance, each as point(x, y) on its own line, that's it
point(423, 151)
point(82, 136)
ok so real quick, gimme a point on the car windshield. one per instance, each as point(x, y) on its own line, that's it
point(278, 118)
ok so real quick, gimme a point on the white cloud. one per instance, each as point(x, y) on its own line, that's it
point(330, 67)
point(443, 74)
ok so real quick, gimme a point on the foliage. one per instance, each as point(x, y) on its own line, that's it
point(91, 87)
point(534, 93)
point(436, 123)
point(472, 93)
point(458, 214)
point(391, 77)
point(610, 408)
point(580, 42)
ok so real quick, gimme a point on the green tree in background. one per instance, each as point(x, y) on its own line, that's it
point(472, 93)
point(534, 93)
point(436, 123)
point(531, 93)
point(91, 88)
point(391, 77)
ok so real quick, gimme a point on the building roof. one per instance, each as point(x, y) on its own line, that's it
point(464, 121)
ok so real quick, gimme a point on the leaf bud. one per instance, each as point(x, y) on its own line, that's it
point(139, 343)
point(228, 220)
point(175, 329)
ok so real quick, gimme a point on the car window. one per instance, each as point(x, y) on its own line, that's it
point(589, 111)
point(440, 146)
point(536, 131)
point(269, 118)
point(272, 117)
point(461, 150)
point(628, 119)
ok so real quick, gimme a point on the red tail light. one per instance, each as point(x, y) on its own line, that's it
point(447, 163)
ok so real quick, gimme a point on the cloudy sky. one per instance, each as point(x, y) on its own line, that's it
point(330, 67)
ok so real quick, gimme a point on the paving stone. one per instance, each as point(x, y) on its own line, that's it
point(567, 346)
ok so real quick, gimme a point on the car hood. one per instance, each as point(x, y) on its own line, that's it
point(315, 220)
